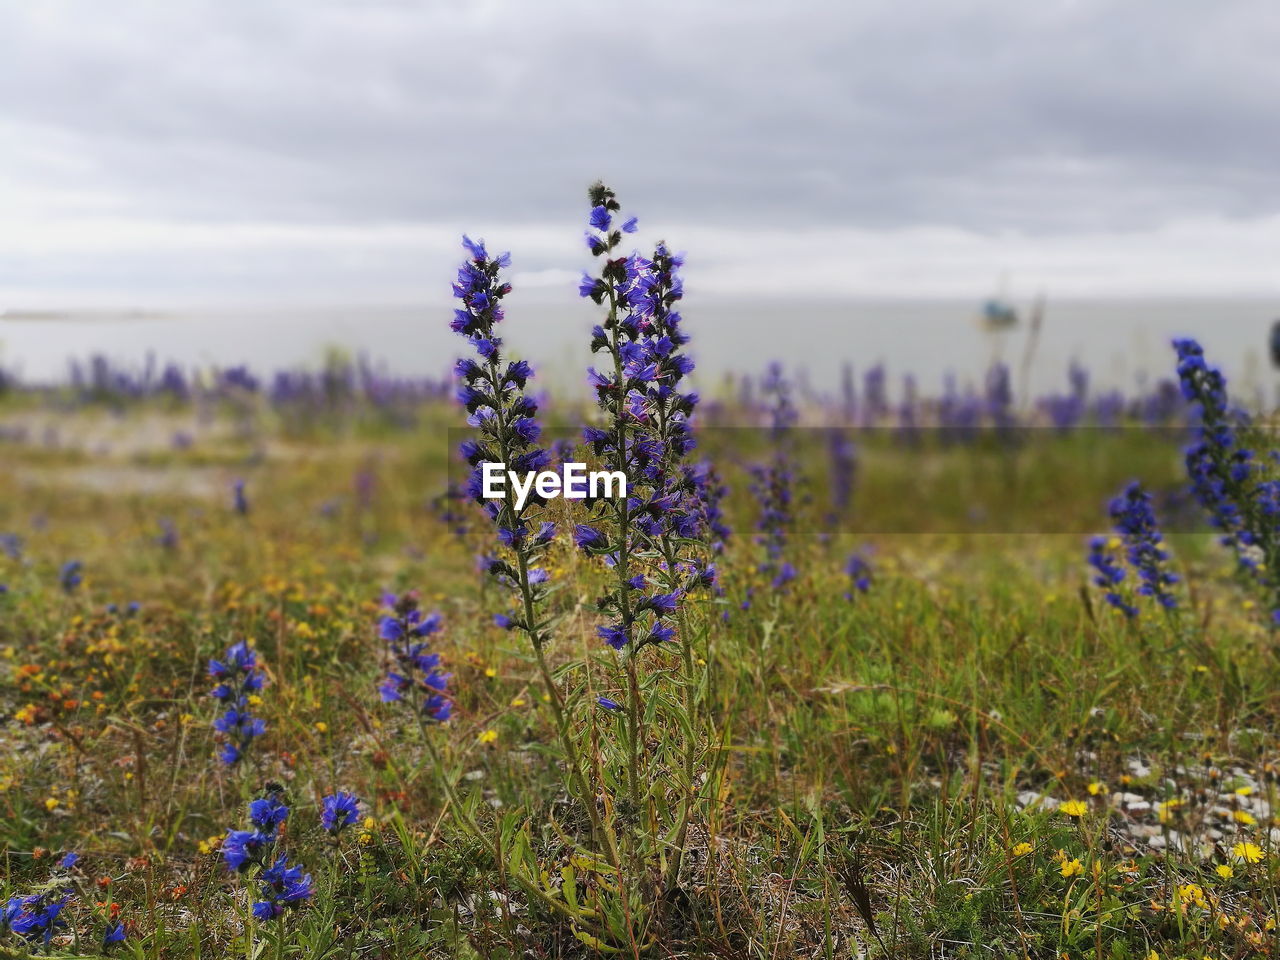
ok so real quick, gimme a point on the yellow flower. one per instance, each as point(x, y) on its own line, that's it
point(489, 736)
point(321, 727)
point(1074, 808)
point(1072, 868)
point(518, 702)
point(1153, 956)
point(1244, 791)
point(1243, 816)
point(1248, 852)
point(255, 700)
point(1225, 871)
point(1022, 849)
point(51, 804)
point(27, 714)
point(1191, 893)
point(490, 672)
point(1094, 788)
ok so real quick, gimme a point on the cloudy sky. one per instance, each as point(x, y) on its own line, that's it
point(298, 151)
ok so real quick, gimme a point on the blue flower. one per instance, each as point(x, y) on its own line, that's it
point(282, 887)
point(1225, 474)
point(859, 571)
point(600, 218)
point(35, 917)
point(416, 667)
point(113, 935)
point(71, 576)
point(589, 538)
point(267, 813)
point(661, 632)
point(614, 636)
point(1136, 523)
point(608, 704)
point(243, 848)
point(69, 860)
point(339, 810)
point(240, 678)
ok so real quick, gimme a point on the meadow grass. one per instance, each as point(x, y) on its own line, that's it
point(882, 776)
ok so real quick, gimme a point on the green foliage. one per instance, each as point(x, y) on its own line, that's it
point(877, 745)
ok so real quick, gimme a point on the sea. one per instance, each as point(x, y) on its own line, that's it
point(1122, 343)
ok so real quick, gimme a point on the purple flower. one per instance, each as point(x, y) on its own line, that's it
point(588, 538)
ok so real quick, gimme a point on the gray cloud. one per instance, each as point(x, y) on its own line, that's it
point(1046, 118)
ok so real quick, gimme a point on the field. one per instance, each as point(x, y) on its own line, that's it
point(908, 746)
point(844, 678)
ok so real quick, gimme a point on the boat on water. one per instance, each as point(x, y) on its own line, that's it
point(998, 314)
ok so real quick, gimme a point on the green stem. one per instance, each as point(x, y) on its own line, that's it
point(624, 561)
point(577, 778)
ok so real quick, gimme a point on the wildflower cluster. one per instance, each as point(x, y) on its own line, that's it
point(35, 917)
point(711, 493)
point(773, 482)
point(858, 569)
point(842, 455)
point(1135, 521)
point(1139, 535)
point(652, 539)
point(239, 680)
point(281, 886)
point(71, 576)
point(1109, 574)
point(239, 500)
point(415, 671)
point(1225, 474)
point(493, 392)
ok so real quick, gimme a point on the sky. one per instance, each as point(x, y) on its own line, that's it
point(303, 151)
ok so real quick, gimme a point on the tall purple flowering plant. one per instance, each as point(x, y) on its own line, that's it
point(492, 389)
point(661, 539)
point(1232, 484)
